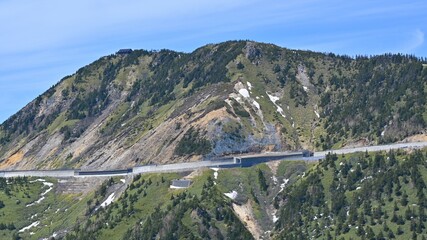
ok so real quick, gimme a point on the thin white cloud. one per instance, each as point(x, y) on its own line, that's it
point(383, 9)
point(416, 40)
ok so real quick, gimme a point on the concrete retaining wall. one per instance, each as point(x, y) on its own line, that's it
point(40, 173)
point(180, 166)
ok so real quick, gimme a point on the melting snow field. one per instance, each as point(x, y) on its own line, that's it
point(215, 174)
point(274, 99)
point(42, 195)
point(274, 179)
point(244, 92)
point(249, 85)
point(34, 224)
point(256, 104)
point(231, 195)
point(123, 180)
point(275, 218)
point(108, 201)
point(383, 132)
point(283, 185)
point(317, 114)
point(305, 88)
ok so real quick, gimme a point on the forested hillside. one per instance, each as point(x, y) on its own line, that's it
point(360, 196)
point(237, 96)
point(356, 196)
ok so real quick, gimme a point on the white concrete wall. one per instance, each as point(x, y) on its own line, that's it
point(179, 166)
point(374, 148)
point(40, 173)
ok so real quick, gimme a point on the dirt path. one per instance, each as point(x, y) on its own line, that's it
point(245, 214)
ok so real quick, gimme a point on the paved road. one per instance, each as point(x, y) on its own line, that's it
point(226, 162)
point(374, 148)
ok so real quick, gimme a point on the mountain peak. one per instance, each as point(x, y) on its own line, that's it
point(144, 107)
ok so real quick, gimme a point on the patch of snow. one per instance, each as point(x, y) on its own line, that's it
point(42, 195)
point(283, 185)
point(38, 180)
point(35, 215)
point(274, 179)
point(34, 224)
point(288, 107)
point(244, 92)
point(257, 97)
point(108, 201)
point(249, 85)
point(293, 124)
point(305, 88)
point(383, 132)
point(32, 233)
point(280, 110)
point(275, 218)
point(215, 173)
point(341, 163)
point(123, 180)
point(365, 178)
point(317, 114)
point(231, 195)
point(256, 104)
point(57, 210)
point(358, 188)
point(273, 98)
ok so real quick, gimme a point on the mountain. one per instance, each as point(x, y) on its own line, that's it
point(144, 107)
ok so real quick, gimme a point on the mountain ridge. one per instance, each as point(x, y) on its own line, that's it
point(237, 96)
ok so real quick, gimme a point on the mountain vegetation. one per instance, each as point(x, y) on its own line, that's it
point(362, 196)
point(237, 96)
point(355, 196)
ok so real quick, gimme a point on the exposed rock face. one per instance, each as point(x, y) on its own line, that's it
point(233, 97)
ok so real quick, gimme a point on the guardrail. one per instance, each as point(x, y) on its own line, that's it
point(38, 173)
point(175, 167)
point(119, 172)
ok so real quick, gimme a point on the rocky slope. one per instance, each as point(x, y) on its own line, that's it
point(233, 97)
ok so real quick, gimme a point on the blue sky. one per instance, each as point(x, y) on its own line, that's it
point(45, 40)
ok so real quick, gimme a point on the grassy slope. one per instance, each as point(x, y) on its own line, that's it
point(55, 212)
point(149, 197)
